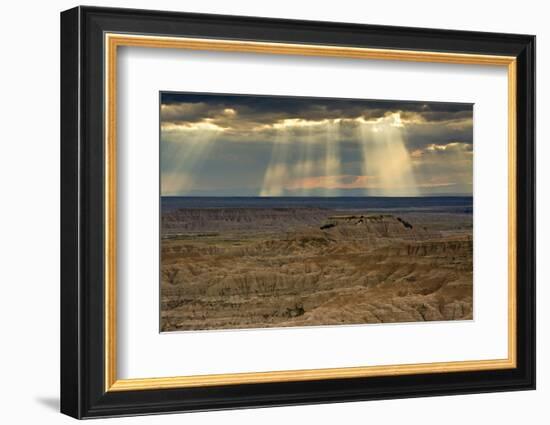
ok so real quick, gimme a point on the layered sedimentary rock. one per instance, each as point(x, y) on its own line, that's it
point(254, 267)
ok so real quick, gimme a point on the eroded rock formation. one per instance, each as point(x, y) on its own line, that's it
point(242, 268)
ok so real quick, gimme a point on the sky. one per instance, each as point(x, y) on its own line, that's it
point(246, 145)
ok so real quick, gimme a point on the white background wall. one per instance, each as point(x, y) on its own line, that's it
point(29, 214)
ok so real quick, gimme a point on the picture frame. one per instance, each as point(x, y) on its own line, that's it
point(90, 41)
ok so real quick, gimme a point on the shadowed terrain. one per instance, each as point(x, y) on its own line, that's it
point(228, 268)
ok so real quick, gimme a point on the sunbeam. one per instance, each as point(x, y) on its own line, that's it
point(332, 153)
point(386, 158)
point(277, 170)
point(303, 169)
point(183, 156)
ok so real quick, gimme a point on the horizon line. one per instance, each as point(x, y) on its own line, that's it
point(320, 196)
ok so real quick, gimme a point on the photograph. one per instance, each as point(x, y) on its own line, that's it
point(281, 211)
point(301, 208)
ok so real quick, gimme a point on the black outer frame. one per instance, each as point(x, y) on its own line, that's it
point(82, 212)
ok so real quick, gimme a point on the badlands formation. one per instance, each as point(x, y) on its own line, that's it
point(234, 268)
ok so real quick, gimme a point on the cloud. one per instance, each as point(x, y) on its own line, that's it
point(257, 113)
point(451, 147)
point(447, 165)
point(333, 182)
point(234, 142)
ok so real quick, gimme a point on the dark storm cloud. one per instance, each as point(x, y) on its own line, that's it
point(191, 108)
point(224, 144)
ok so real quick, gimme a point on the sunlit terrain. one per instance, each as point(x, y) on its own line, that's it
point(289, 211)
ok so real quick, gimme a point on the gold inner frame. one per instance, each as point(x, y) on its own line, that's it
point(113, 41)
